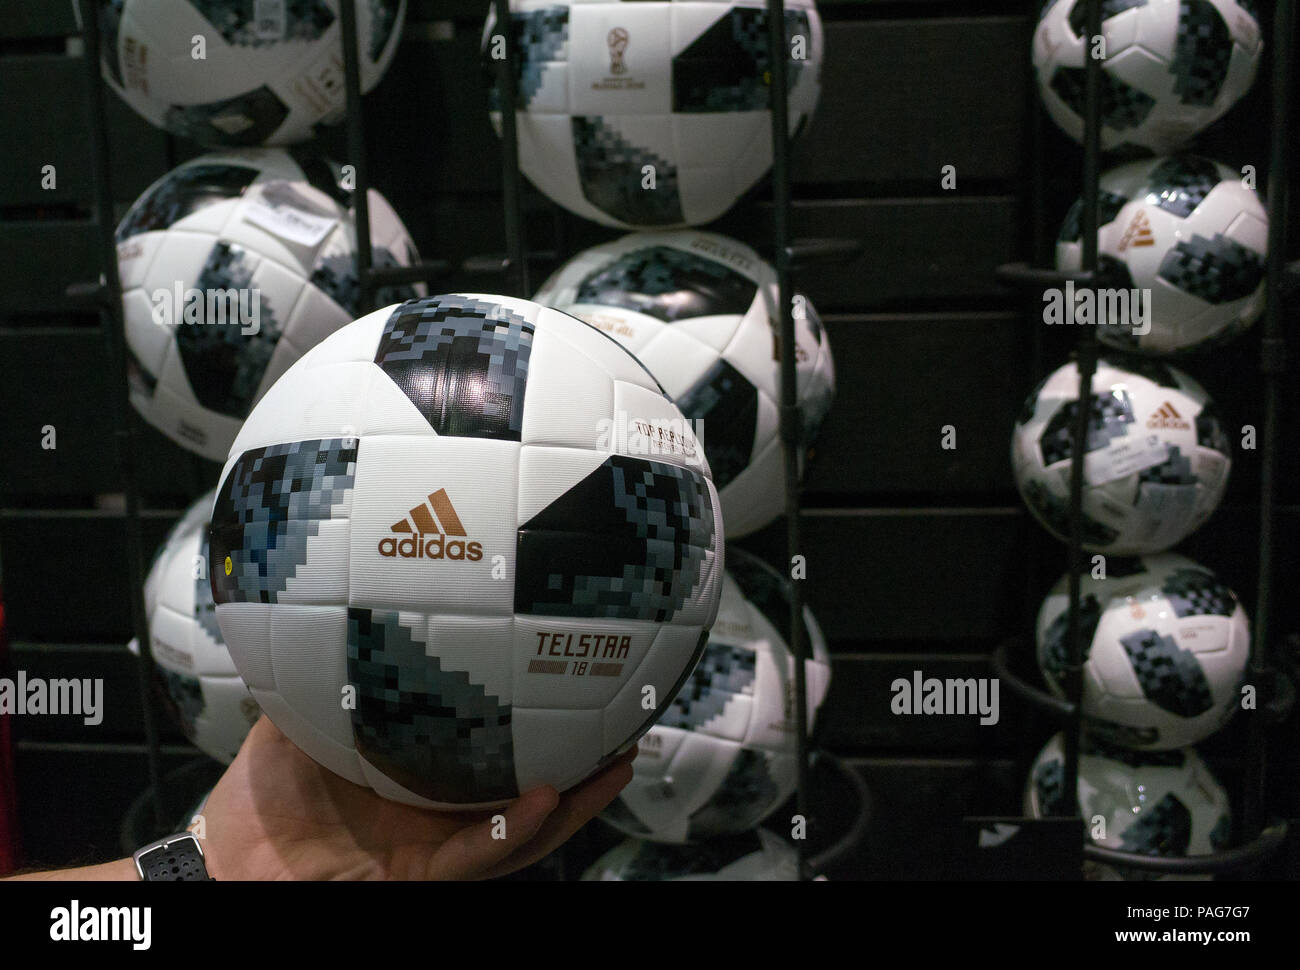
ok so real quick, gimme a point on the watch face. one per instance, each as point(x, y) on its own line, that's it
point(177, 858)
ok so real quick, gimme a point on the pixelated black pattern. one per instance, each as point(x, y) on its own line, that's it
point(1049, 785)
point(336, 276)
point(433, 731)
point(1122, 106)
point(1218, 270)
point(321, 173)
point(726, 68)
point(1056, 637)
point(233, 19)
point(1031, 402)
point(1094, 744)
point(246, 119)
point(184, 191)
point(1174, 470)
point(745, 797)
point(1170, 677)
point(462, 362)
point(1108, 204)
point(1158, 373)
point(1221, 834)
point(182, 695)
point(723, 672)
point(205, 609)
point(383, 18)
point(1110, 418)
point(1164, 828)
point(1210, 432)
point(138, 376)
point(621, 817)
point(1053, 511)
point(725, 400)
point(628, 542)
point(1125, 735)
point(1181, 183)
point(1197, 592)
point(110, 21)
point(270, 503)
point(609, 172)
point(1202, 51)
point(766, 590)
point(224, 365)
point(1109, 8)
point(669, 284)
point(658, 861)
point(541, 38)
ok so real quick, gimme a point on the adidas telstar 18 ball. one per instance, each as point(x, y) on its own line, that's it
point(441, 569)
point(1158, 803)
point(1190, 238)
point(651, 114)
point(200, 685)
point(1170, 67)
point(232, 266)
point(241, 72)
point(1156, 460)
point(754, 856)
point(722, 757)
point(699, 310)
point(1167, 646)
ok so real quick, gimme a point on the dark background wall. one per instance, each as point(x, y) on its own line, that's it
point(918, 557)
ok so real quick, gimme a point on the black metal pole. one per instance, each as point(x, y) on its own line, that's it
point(357, 154)
point(1272, 366)
point(791, 422)
point(111, 319)
point(511, 181)
point(1072, 682)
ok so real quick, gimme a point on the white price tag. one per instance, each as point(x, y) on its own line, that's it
point(1126, 456)
point(268, 19)
point(278, 215)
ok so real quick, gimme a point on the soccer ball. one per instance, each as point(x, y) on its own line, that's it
point(1170, 68)
point(232, 266)
point(699, 310)
point(200, 686)
point(1156, 463)
point(241, 74)
point(651, 114)
point(722, 757)
point(1188, 233)
point(754, 856)
point(1157, 803)
point(434, 571)
point(1167, 646)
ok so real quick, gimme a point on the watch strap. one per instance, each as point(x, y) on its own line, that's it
point(176, 858)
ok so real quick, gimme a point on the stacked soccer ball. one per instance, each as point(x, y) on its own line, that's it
point(1181, 248)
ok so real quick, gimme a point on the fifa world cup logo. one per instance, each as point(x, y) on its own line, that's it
point(617, 41)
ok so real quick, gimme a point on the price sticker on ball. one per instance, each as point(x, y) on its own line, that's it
point(279, 214)
point(1123, 457)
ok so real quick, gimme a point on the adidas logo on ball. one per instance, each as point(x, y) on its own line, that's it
point(1166, 416)
point(429, 532)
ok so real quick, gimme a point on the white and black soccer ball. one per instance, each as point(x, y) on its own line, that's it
point(1190, 237)
point(199, 683)
point(722, 757)
point(225, 239)
point(652, 114)
point(241, 72)
point(754, 856)
point(1167, 646)
point(1171, 67)
point(699, 310)
point(1157, 456)
point(1155, 803)
point(440, 575)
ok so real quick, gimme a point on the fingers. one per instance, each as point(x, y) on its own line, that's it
point(577, 807)
point(476, 850)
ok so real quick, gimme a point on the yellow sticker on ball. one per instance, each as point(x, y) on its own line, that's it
point(230, 566)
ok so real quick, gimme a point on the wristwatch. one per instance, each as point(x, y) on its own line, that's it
point(176, 858)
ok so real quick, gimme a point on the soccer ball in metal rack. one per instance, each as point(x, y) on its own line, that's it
point(240, 73)
point(232, 266)
point(1157, 456)
point(652, 114)
point(434, 572)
